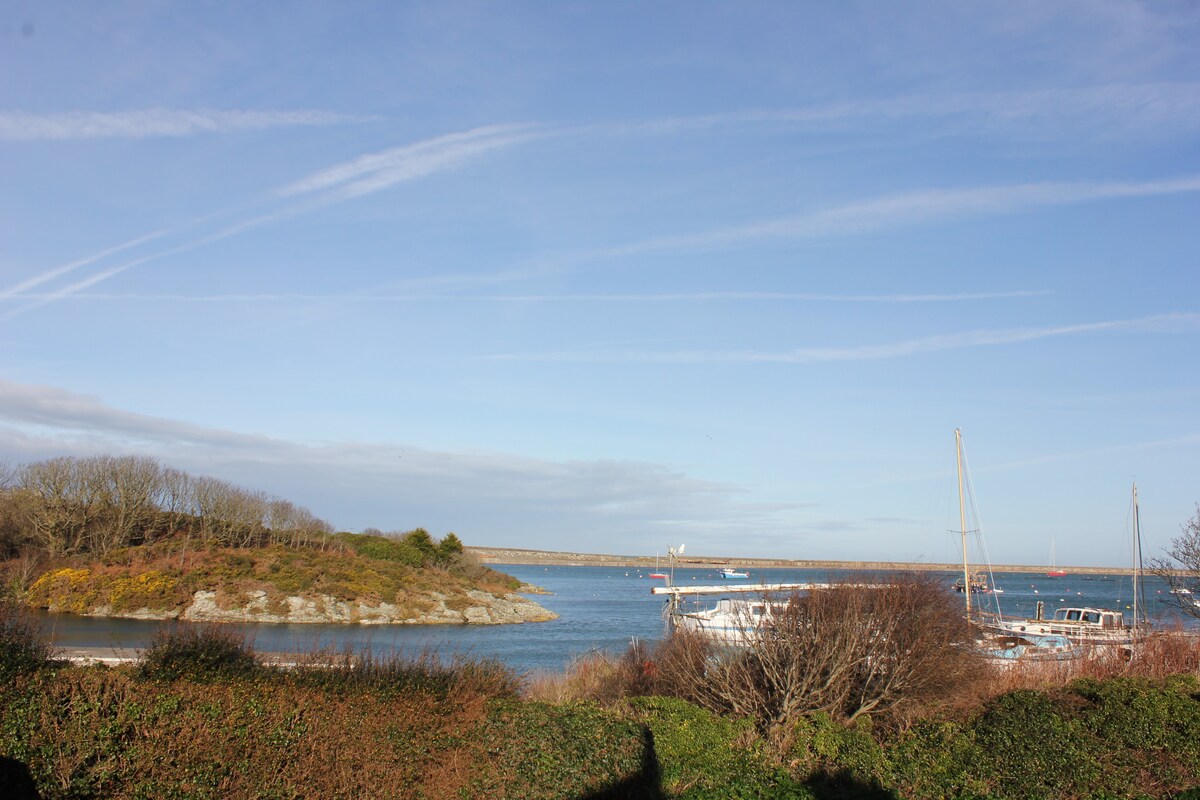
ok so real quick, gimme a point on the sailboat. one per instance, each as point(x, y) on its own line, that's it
point(1087, 625)
point(971, 582)
point(1054, 572)
point(657, 572)
point(997, 644)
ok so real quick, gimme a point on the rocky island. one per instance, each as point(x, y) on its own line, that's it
point(277, 584)
point(127, 537)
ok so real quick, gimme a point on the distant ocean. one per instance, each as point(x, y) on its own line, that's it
point(599, 608)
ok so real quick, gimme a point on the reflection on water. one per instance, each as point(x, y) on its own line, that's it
point(599, 608)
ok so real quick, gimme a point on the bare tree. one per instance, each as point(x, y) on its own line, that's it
point(130, 491)
point(57, 523)
point(16, 516)
point(1180, 567)
point(70, 506)
point(847, 650)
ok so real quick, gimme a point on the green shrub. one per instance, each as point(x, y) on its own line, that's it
point(383, 549)
point(449, 547)
point(934, 759)
point(22, 648)
point(824, 747)
point(420, 540)
point(1032, 747)
point(535, 750)
point(197, 652)
point(1144, 714)
point(703, 756)
point(1152, 727)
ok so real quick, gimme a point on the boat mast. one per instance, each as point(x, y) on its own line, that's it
point(1137, 556)
point(962, 520)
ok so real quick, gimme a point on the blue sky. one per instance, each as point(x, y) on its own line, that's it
point(611, 276)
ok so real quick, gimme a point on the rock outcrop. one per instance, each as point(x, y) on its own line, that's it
point(476, 608)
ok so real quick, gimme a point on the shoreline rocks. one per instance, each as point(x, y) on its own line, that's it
point(476, 608)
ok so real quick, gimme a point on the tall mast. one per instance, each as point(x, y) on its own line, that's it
point(1137, 555)
point(962, 519)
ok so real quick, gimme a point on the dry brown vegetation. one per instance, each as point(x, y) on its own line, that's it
point(890, 653)
point(897, 654)
point(1167, 652)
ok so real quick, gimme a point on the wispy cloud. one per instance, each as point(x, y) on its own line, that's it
point(158, 122)
point(65, 269)
point(377, 171)
point(1107, 110)
point(667, 297)
point(364, 175)
point(910, 208)
point(382, 170)
point(1161, 323)
point(674, 297)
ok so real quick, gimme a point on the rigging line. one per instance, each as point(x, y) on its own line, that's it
point(976, 519)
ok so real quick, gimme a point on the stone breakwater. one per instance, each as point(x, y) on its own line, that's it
point(517, 555)
point(474, 607)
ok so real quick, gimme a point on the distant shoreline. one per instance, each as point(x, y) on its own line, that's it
point(523, 556)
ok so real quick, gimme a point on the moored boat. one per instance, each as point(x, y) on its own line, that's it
point(735, 620)
point(1079, 624)
point(1054, 571)
point(731, 621)
point(1010, 649)
point(1085, 625)
point(978, 584)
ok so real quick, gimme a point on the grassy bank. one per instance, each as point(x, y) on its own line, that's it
point(162, 578)
point(201, 717)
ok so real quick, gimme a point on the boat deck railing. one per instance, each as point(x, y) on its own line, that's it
point(758, 588)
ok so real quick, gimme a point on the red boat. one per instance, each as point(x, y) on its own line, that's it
point(1054, 572)
point(658, 575)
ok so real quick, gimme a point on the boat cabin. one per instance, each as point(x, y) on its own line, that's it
point(1100, 618)
point(731, 621)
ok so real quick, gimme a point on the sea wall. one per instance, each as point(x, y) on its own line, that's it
point(518, 555)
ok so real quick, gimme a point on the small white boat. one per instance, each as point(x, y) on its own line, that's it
point(732, 621)
point(729, 572)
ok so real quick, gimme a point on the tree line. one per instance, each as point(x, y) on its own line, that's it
point(69, 506)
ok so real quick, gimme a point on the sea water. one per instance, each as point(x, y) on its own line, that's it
point(599, 609)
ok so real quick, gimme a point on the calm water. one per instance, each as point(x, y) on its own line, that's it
point(599, 608)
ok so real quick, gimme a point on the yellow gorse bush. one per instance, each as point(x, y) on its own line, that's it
point(66, 589)
point(145, 590)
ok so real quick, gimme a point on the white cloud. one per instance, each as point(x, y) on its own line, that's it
point(57, 272)
point(498, 498)
point(364, 175)
point(376, 171)
point(910, 208)
point(1103, 111)
point(1160, 323)
point(147, 123)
